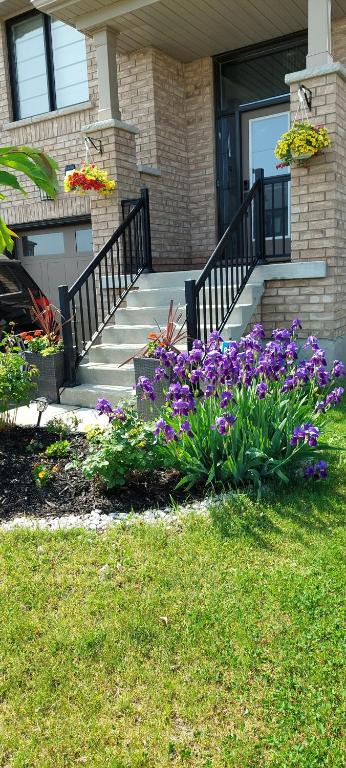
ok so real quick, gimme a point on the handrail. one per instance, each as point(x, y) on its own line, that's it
point(211, 299)
point(104, 250)
point(94, 297)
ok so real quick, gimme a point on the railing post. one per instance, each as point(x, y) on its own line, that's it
point(146, 231)
point(69, 357)
point(259, 216)
point(191, 311)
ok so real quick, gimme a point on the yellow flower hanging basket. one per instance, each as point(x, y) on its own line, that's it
point(301, 142)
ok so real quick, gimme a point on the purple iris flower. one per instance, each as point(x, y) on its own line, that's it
point(289, 384)
point(159, 374)
point(195, 376)
point(196, 355)
point(226, 397)
point(104, 407)
point(223, 423)
point(316, 471)
point(291, 351)
point(119, 414)
point(145, 386)
point(261, 390)
point(183, 406)
point(257, 331)
point(312, 342)
point(335, 396)
point(318, 358)
point(161, 427)
point(338, 369)
point(320, 406)
point(296, 325)
point(306, 433)
point(281, 334)
point(186, 427)
point(323, 377)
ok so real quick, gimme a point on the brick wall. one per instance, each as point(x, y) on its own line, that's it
point(172, 104)
point(318, 217)
point(59, 135)
point(201, 158)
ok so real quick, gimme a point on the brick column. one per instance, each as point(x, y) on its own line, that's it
point(318, 209)
point(119, 159)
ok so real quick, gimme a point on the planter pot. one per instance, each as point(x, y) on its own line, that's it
point(307, 156)
point(51, 376)
point(146, 366)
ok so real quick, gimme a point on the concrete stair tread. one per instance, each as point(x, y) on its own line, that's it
point(106, 366)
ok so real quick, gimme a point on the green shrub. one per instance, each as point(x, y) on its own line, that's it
point(16, 385)
point(125, 446)
point(62, 427)
point(59, 449)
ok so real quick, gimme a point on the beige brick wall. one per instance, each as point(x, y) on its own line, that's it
point(318, 216)
point(59, 135)
point(172, 105)
point(201, 158)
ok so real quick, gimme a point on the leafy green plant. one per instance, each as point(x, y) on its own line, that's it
point(59, 449)
point(37, 167)
point(125, 446)
point(62, 427)
point(16, 378)
point(42, 474)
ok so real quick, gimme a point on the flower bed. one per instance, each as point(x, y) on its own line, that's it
point(246, 412)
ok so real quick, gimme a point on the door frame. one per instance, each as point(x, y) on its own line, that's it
point(242, 55)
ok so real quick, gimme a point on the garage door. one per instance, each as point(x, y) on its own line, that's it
point(55, 256)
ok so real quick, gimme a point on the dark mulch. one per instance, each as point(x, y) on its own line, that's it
point(68, 492)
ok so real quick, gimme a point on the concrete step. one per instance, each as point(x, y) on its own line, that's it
point(87, 395)
point(117, 353)
point(128, 334)
point(106, 373)
point(158, 315)
point(177, 279)
point(158, 297)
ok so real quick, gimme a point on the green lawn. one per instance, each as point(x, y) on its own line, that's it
point(212, 643)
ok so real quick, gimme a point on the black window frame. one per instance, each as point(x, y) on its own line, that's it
point(48, 45)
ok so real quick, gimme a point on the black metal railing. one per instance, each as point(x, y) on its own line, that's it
point(211, 299)
point(92, 300)
point(276, 217)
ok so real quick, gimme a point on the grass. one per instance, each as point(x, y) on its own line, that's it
point(212, 643)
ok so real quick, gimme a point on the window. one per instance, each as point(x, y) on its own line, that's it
point(48, 65)
point(47, 244)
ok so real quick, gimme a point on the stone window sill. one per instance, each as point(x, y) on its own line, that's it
point(48, 115)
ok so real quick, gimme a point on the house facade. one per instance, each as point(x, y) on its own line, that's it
point(185, 99)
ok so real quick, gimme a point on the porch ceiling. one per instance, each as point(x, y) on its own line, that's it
point(187, 29)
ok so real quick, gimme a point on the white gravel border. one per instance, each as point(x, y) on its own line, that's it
point(97, 520)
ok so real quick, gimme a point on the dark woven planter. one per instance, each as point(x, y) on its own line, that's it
point(51, 376)
point(147, 409)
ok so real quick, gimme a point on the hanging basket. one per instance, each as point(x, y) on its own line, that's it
point(89, 179)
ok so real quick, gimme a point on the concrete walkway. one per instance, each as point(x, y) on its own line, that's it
point(28, 414)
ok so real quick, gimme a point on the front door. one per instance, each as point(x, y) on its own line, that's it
point(260, 130)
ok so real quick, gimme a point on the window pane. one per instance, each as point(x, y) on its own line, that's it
point(70, 67)
point(30, 66)
point(84, 241)
point(43, 244)
point(264, 133)
point(261, 77)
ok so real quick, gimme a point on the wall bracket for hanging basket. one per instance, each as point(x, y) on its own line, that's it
point(305, 94)
point(95, 143)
